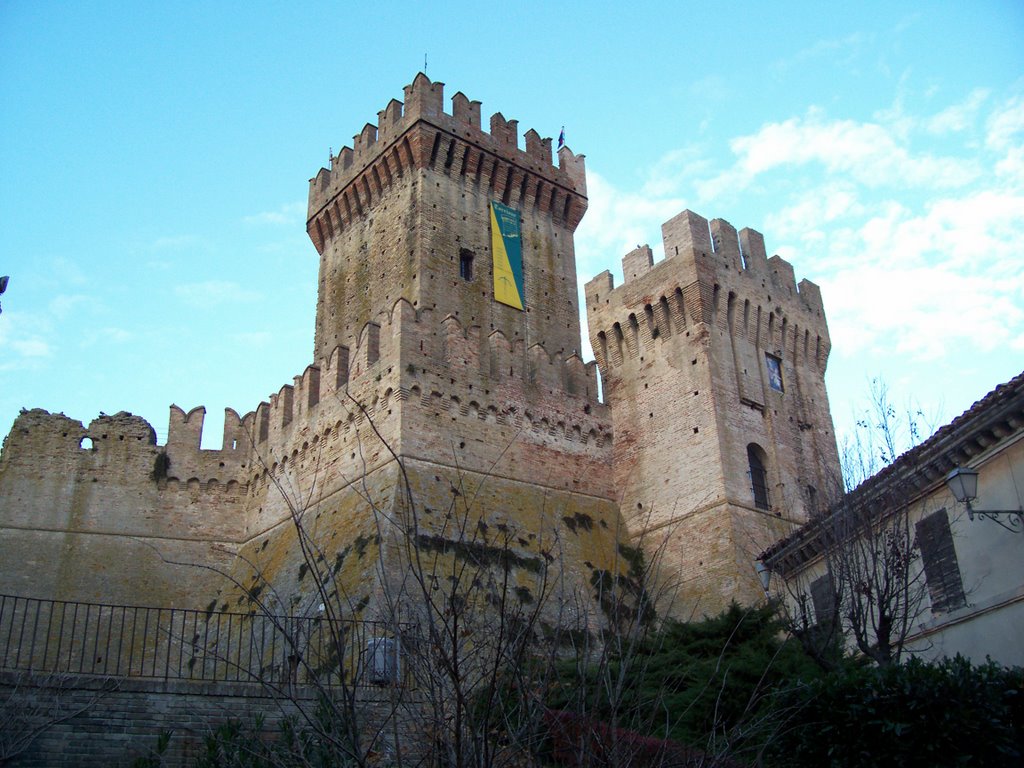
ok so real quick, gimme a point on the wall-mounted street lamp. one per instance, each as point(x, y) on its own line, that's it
point(963, 483)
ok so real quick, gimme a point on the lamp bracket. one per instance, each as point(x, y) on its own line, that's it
point(1010, 519)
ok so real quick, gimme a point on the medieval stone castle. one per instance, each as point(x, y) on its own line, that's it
point(446, 366)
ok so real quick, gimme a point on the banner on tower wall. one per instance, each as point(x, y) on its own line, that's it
point(508, 256)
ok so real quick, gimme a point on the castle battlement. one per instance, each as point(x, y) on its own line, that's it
point(124, 441)
point(711, 275)
point(385, 154)
point(467, 351)
point(112, 479)
point(716, 248)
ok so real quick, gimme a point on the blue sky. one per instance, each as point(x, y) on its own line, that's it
point(154, 161)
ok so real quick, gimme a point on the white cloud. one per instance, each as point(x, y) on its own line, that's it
point(63, 305)
point(69, 272)
point(1005, 123)
point(813, 208)
point(23, 341)
point(868, 153)
point(289, 213)
point(1011, 167)
point(959, 117)
point(33, 347)
point(925, 284)
point(674, 169)
point(843, 51)
point(916, 248)
point(213, 292)
point(108, 335)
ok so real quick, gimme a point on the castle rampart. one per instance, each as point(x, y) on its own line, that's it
point(446, 373)
point(762, 299)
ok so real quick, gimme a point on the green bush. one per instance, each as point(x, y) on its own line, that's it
point(711, 684)
point(947, 713)
point(732, 685)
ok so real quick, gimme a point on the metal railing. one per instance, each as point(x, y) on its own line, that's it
point(57, 636)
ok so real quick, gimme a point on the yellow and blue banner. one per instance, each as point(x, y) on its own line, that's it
point(506, 244)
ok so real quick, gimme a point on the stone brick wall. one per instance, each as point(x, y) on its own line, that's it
point(105, 722)
point(78, 504)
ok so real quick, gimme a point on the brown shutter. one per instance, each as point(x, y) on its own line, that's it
point(941, 569)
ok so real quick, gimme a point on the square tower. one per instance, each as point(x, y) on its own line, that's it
point(409, 214)
point(448, 376)
point(713, 365)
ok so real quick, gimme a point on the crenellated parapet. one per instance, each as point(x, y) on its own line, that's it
point(559, 423)
point(711, 276)
point(55, 469)
point(331, 443)
point(573, 427)
point(465, 351)
point(331, 378)
point(418, 134)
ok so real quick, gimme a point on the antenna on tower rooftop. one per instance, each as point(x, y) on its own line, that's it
point(424, 63)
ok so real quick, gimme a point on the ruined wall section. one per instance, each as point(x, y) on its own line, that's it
point(77, 505)
point(110, 505)
point(682, 346)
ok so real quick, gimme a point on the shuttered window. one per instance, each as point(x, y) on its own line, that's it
point(824, 600)
point(941, 569)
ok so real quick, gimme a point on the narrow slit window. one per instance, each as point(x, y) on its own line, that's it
point(466, 264)
point(757, 463)
point(774, 366)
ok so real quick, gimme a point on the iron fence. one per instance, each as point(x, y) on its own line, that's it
point(57, 636)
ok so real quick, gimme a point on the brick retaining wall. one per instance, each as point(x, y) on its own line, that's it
point(95, 721)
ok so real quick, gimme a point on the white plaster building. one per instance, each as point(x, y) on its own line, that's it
point(972, 564)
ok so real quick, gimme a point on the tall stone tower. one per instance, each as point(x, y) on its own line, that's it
point(407, 214)
point(448, 311)
point(713, 365)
